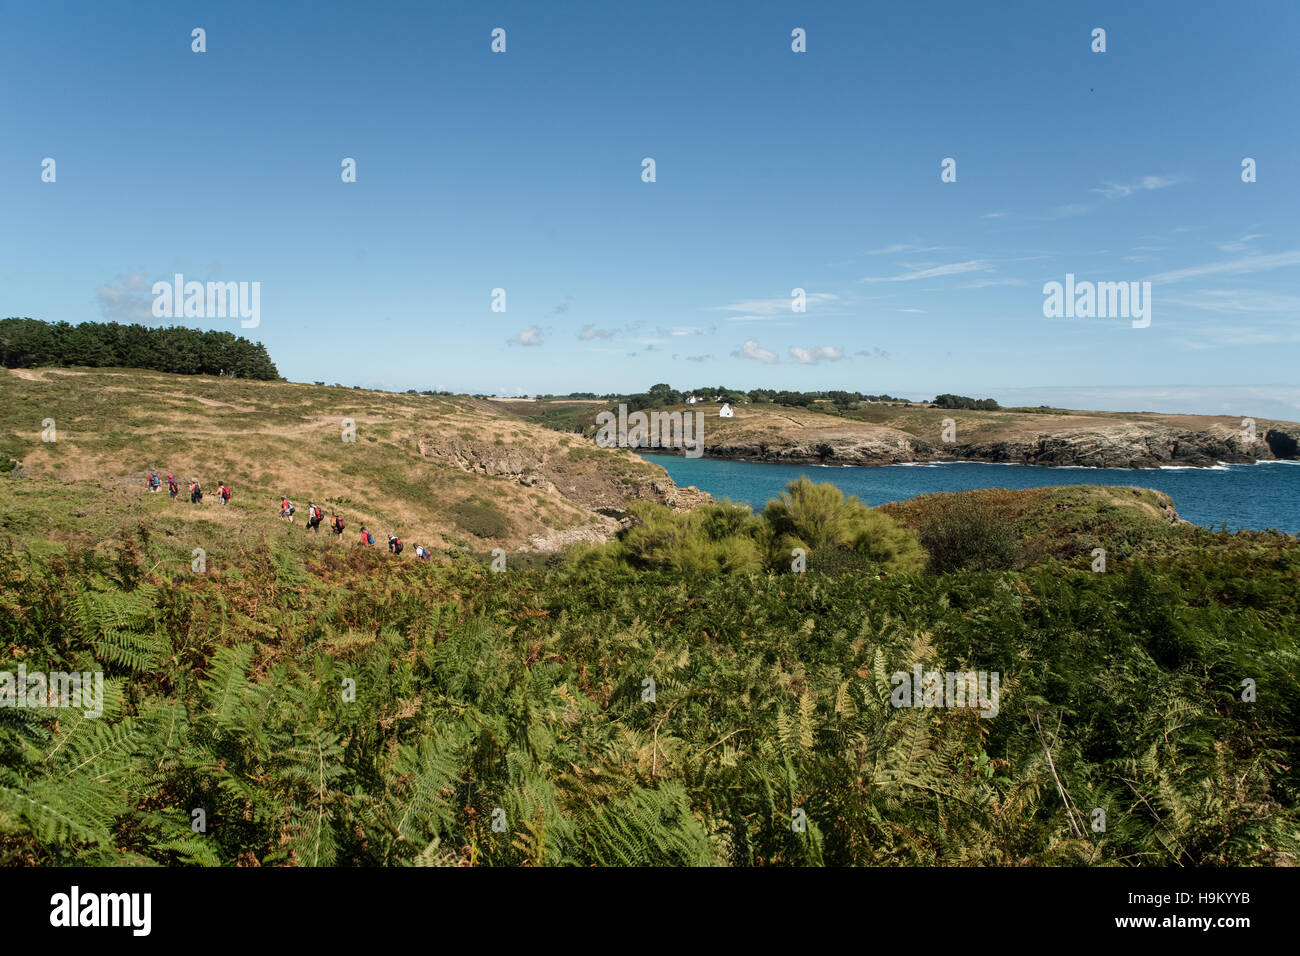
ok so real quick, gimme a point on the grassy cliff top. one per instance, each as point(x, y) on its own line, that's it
point(443, 471)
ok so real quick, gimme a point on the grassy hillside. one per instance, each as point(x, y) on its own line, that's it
point(447, 472)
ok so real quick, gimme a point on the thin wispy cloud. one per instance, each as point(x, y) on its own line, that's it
point(951, 269)
point(986, 283)
point(902, 247)
point(768, 307)
point(1239, 300)
point(590, 332)
point(1240, 244)
point(1146, 183)
point(1243, 266)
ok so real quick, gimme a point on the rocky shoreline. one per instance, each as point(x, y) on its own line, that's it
point(1138, 445)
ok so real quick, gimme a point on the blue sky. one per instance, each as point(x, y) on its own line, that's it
point(775, 170)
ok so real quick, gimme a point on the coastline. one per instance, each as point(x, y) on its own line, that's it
point(820, 462)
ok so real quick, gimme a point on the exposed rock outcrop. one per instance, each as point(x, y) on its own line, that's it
point(1123, 445)
point(599, 480)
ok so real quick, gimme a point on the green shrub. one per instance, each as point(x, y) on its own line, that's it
point(820, 517)
point(479, 518)
point(964, 534)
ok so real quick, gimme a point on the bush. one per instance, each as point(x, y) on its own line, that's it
point(820, 517)
point(965, 534)
point(480, 519)
point(840, 535)
point(716, 538)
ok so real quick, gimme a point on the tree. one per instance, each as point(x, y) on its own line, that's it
point(28, 342)
point(662, 394)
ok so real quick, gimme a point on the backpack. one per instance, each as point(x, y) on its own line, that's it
point(370, 538)
point(225, 493)
point(339, 525)
point(397, 546)
point(291, 508)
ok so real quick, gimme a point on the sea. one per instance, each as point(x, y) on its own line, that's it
point(1261, 496)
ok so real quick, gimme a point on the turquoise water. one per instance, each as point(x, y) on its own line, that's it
point(1257, 497)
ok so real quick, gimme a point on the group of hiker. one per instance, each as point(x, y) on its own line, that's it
point(154, 483)
point(337, 524)
point(315, 514)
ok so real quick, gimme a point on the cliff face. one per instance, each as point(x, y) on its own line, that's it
point(1107, 444)
point(1137, 446)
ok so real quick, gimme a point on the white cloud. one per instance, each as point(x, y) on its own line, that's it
point(531, 336)
point(752, 350)
point(590, 332)
point(814, 355)
point(130, 301)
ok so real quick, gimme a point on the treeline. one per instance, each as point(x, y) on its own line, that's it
point(661, 395)
point(26, 343)
point(969, 404)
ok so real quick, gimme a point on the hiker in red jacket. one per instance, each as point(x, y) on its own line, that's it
point(366, 537)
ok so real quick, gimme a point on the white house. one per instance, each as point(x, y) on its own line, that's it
point(725, 411)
